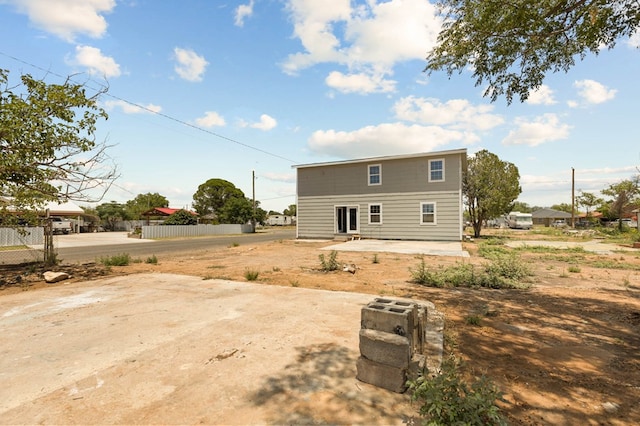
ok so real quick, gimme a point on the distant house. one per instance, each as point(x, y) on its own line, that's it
point(546, 217)
point(161, 213)
point(280, 220)
point(406, 197)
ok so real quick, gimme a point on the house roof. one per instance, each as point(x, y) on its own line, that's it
point(385, 158)
point(550, 214)
point(165, 211)
point(63, 209)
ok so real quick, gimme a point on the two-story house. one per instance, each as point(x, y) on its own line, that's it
point(403, 197)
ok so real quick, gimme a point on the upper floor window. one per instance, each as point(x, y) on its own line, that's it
point(427, 213)
point(436, 170)
point(375, 214)
point(375, 174)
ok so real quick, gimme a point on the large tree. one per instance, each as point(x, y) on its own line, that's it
point(489, 186)
point(111, 213)
point(292, 210)
point(588, 200)
point(48, 150)
point(624, 197)
point(145, 202)
point(511, 45)
point(212, 195)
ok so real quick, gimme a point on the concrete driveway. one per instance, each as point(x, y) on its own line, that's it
point(169, 349)
point(429, 248)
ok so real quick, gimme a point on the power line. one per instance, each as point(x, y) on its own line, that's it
point(177, 120)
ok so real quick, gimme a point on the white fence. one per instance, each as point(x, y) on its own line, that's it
point(10, 237)
point(170, 231)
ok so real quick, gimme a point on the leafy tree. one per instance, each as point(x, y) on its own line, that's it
point(521, 207)
point(489, 186)
point(624, 198)
point(236, 210)
point(110, 213)
point(292, 210)
point(48, 150)
point(562, 207)
point(145, 202)
point(212, 195)
point(273, 212)
point(511, 46)
point(588, 201)
point(181, 217)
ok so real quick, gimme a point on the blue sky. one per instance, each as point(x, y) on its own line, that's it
point(228, 87)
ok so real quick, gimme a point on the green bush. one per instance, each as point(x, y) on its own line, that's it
point(152, 260)
point(117, 260)
point(251, 274)
point(446, 399)
point(329, 264)
point(504, 271)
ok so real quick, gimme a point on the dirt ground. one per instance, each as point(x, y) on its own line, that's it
point(564, 352)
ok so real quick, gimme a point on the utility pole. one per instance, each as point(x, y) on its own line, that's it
point(253, 186)
point(573, 197)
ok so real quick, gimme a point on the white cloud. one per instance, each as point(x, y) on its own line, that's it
point(67, 18)
point(130, 108)
point(243, 11)
point(210, 119)
point(545, 128)
point(359, 83)
point(95, 62)
point(593, 92)
point(266, 123)
point(368, 39)
point(190, 66)
point(457, 113)
point(543, 95)
point(383, 139)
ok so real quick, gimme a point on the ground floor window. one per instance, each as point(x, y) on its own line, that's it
point(427, 213)
point(375, 214)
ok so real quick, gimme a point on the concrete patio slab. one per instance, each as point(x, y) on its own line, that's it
point(428, 248)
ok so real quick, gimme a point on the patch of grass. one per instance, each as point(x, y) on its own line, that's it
point(503, 271)
point(216, 267)
point(329, 264)
point(117, 260)
point(294, 283)
point(251, 274)
point(153, 260)
point(472, 320)
point(574, 269)
point(233, 244)
point(276, 269)
point(613, 264)
point(446, 399)
point(207, 277)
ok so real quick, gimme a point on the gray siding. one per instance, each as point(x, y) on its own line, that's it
point(404, 175)
point(400, 215)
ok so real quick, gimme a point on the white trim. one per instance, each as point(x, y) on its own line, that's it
point(379, 214)
point(429, 171)
point(379, 166)
point(435, 213)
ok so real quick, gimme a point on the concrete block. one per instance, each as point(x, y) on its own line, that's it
point(380, 375)
point(385, 315)
point(417, 367)
point(385, 348)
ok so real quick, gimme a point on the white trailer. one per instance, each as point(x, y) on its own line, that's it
point(517, 220)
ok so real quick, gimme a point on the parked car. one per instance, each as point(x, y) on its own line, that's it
point(559, 224)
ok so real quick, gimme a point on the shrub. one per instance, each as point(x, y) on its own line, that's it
point(330, 264)
point(422, 275)
point(446, 399)
point(117, 260)
point(152, 260)
point(251, 274)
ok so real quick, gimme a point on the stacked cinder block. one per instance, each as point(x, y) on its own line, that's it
point(391, 343)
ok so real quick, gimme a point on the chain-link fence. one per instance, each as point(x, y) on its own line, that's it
point(22, 245)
